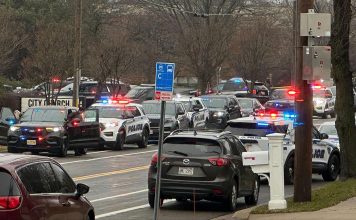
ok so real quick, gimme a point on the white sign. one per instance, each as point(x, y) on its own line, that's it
point(33, 102)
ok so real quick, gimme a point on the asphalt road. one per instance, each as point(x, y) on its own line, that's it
point(118, 186)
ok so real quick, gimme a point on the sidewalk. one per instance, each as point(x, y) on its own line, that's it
point(343, 211)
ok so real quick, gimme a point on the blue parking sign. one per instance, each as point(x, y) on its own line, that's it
point(164, 80)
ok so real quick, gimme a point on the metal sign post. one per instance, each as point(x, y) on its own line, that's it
point(164, 92)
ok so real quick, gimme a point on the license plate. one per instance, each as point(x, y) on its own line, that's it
point(31, 142)
point(188, 171)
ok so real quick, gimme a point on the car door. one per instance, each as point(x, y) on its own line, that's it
point(234, 108)
point(6, 120)
point(73, 207)
point(199, 116)
point(134, 123)
point(182, 116)
point(84, 130)
point(42, 200)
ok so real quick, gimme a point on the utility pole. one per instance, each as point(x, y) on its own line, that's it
point(77, 52)
point(304, 107)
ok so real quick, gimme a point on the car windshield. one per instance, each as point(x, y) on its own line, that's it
point(215, 102)
point(155, 108)
point(328, 129)
point(255, 129)
point(234, 86)
point(44, 115)
point(245, 103)
point(191, 147)
point(280, 94)
point(320, 93)
point(136, 93)
point(109, 111)
point(188, 105)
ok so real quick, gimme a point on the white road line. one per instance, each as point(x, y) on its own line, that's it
point(118, 196)
point(103, 158)
point(98, 152)
point(128, 210)
point(121, 211)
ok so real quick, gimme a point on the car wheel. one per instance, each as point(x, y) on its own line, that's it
point(144, 139)
point(12, 150)
point(62, 152)
point(151, 200)
point(332, 115)
point(333, 169)
point(289, 171)
point(231, 201)
point(120, 141)
point(253, 198)
point(80, 151)
point(324, 116)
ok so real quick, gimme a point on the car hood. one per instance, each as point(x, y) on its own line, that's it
point(109, 120)
point(158, 116)
point(213, 110)
point(40, 124)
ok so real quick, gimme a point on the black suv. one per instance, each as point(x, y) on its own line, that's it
point(206, 165)
point(55, 129)
point(141, 93)
point(176, 117)
point(222, 108)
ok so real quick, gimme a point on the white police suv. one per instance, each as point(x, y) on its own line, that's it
point(324, 102)
point(252, 132)
point(197, 111)
point(122, 122)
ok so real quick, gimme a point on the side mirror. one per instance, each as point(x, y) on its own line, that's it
point(82, 189)
point(324, 136)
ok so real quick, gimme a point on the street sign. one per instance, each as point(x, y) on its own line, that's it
point(164, 81)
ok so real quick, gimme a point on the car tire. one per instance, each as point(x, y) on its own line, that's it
point(324, 116)
point(333, 115)
point(144, 139)
point(120, 141)
point(80, 151)
point(151, 200)
point(253, 198)
point(333, 169)
point(289, 171)
point(62, 152)
point(231, 200)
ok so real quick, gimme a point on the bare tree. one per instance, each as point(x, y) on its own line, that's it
point(345, 122)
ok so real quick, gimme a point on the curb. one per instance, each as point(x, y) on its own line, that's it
point(243, 214)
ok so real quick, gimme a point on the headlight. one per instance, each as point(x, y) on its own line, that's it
point(111, 125)
point(218, 114)
point(54, 129)
point(14, 128)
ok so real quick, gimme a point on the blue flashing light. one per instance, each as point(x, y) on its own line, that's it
point(105, 101)
point(12, 122)
point(262, 124)
point(298, 124)
point(23, 138)
point(289, 115)
point(237, 80)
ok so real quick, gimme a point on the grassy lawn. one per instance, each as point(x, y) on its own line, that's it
point(329, 195)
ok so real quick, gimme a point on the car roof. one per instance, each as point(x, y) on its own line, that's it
point(53, 107)
point(12, 161)
point(259, 119)
point(282, 100)
point(203, 134)
point(246, 98)
point(116, 105)
point(186, 98)
point(158, 101)
point(217, 96)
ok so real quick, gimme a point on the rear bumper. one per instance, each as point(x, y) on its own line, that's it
point(210, 190)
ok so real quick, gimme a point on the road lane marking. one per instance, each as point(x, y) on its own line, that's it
point(92, 176)
point(121, 211)
point(118, 196)
point(98, 152)
point(127, 210)
point(108, 157)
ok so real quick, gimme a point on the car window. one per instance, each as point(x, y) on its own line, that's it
point(135, 112)
point(315, 134)
point(8, 186)
point(38, 178)
point(142, 110)
point(180, 108)
point(6, 113)
point(65, 183)
point(240, 147)
point(234, 149)
point(192, 147)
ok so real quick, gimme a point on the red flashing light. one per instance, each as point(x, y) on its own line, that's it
point(75, 122)
point(317, 87)
point(9, 202)
point(292, 92)
point(40, 138)
point(39, 130)
point(56, 80)
point(124, 102)
point(274, 115)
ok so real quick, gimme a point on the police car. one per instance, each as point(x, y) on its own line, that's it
point(197, 112)
point(122, 122)
point(252, 132)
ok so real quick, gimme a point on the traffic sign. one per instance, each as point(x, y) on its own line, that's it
point(164, 81)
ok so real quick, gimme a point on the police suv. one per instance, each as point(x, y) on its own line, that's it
point(324, 102)
point(197, 112)
point(122, 122)
point(252, 132)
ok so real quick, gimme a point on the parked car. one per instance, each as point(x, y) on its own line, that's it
point(323, 103)
point(206, 165)
point(222, 108)
point(35, 188)
point(7, 119)
point(249, 106)
point(176, 117)
point(235, 86)
point(198, 113)
point(141, 93)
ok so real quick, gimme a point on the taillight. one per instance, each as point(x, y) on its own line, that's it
point(220, 162)
point(9, 202)
point(155, 159)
